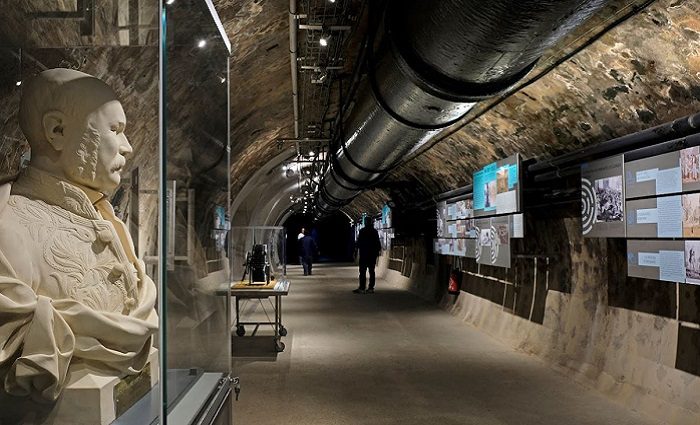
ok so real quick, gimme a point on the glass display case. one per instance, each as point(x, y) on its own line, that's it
point(157, 243)
point(258, 254)
point(195, 210)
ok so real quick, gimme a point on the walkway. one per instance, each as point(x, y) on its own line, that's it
point(391, 358)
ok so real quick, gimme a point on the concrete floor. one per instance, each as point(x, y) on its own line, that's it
point(392, 358)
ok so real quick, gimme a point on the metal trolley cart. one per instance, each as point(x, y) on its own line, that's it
point(243, 293)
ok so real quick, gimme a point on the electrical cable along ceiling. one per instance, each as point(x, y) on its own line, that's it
point(324, 35)
point(324, 30)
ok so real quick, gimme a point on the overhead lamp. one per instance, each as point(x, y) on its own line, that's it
point(284, 167)
point(18, 83)
point(323, 41)
point(222, 79)
point(332, 1)
point(202, 43)
point(173, 1)
point(311, 153)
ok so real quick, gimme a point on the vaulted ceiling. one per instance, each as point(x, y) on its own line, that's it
point(634, 65)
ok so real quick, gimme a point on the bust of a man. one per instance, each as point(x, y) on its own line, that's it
point(71, 288)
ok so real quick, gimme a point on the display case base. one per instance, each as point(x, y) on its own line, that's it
point(87, 399)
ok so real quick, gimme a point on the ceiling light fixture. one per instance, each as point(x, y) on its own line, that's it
point(323, 41)
point(173, 1)
point(202, 43)
point(18, 83)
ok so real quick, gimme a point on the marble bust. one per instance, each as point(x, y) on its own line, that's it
point(71, 288)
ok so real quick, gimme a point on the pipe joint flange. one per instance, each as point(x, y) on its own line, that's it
point(357, 184)
point(332, 200)
point(435, 83)
point(376, 93)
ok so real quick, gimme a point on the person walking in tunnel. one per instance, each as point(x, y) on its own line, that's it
point(369, 248)
point(308, 250)
point(300, 236)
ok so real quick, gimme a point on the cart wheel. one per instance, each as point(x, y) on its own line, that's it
point(283, 331)
point(279, 346)
point(240, 330)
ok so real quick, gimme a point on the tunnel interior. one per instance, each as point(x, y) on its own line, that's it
point(333, 234)
point(531, 169)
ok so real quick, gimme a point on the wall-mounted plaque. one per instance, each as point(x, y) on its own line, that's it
point(660, 217)
point(517, 226)
point(691, 215)
point(692, 262)
point(653, 176)
point(660, 260)
point(464, 209)
point(493, 244)
point(441, 216)
point(496, 188)
point(602, 198)
point(690, 168)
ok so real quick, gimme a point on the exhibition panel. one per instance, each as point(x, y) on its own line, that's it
point(195, 110)
point(660, 260)
point(497, 188)
point(655, 217)
point(481, 225)
point(656, 175)
point(602, 198)
point(642, 195)
point(383, 225)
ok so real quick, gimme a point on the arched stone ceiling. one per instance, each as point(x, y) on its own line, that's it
point(261, 88)
point(641, 73)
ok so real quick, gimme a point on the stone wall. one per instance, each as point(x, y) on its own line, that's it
point(635, 340)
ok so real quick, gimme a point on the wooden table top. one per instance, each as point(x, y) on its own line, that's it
point(275, 287)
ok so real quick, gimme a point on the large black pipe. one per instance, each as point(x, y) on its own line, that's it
point(438, 58)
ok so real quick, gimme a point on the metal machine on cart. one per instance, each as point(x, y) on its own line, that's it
point(257, 266)
point(257, 296)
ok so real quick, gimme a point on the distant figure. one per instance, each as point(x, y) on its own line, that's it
point(691, 259)
point(300, 236)
point(369, 248)
point(308, 250)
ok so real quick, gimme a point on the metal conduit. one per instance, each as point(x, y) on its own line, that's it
point(293, 65)
point(671, 130)
point(437, 59)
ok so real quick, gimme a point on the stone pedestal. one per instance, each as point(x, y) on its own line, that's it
point(88, 398)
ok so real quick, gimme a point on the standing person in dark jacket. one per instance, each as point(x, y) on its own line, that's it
point(369, 248)
point(308, 250)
